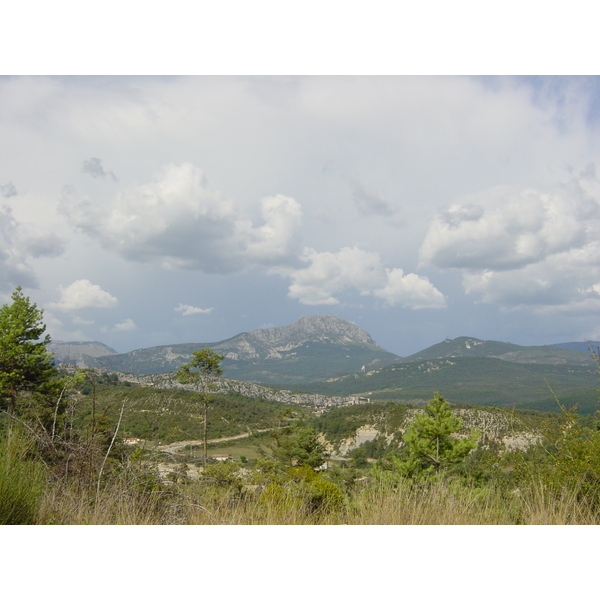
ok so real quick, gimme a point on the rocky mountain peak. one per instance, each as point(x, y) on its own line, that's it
point(316, 328)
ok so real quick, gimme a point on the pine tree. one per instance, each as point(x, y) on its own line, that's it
point(27, 371)
point(299, 446)
point(430, 444)
point(204, 365)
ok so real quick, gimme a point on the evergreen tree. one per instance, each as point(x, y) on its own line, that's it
point(204, 365)
point(430, 444)
point(27, 372)
point(298, 446)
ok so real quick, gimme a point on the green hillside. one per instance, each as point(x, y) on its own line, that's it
point(473, 380)
point(313, 361)
point(149, 361)
point(161, 415)
point(308, 362)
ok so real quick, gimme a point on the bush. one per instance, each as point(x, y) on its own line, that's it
point(306, 491)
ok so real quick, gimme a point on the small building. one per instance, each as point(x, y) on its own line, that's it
point(132, 441)
point(221, 457)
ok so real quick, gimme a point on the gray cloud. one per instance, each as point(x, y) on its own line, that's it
point(93, 166)
point(370, 203)
point(8, 190)
point(46, 245)
point(456, 216)
point(14, 269)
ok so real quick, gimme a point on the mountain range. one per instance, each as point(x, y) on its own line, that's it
point(327, 355)
point(311, 349)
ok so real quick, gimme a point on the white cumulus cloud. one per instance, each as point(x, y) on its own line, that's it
point(507, 229)
point(279, 237)
point(330, 274)
point(568, 282)
point(83, 294)
point(521, 247)
point(410, 291)
point(186, 310)
point(178, 221)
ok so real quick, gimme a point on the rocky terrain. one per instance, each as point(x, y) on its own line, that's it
point(508, 431)
point(251, 390)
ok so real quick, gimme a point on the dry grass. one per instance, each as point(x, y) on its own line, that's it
point(441, 503)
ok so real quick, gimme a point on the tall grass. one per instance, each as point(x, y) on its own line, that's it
point(379, 503)
point(21, 481)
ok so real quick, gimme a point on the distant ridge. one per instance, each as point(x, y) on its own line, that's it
point(84, 354)
point(470, 346)
point(580, 346)
point(317, 353)
point(310, 349)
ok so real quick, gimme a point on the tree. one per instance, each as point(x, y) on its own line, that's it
point(430, 444)
point(26, 366)
point(298, 446)
point(204, 365)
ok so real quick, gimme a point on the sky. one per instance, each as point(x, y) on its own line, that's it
point(148, 210)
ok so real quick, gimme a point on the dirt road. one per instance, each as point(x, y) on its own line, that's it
point(175, 447)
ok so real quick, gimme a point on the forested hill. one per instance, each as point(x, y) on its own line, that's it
point(473, 380)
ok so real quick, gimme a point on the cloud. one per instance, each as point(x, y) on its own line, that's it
point(83, 294)
point(20, 242)
point(8, 190)
point(126, 325)
point(523, 248)
point(329, 274)
point(178, 221)
point(279, 238)
point(38, 242)
point(186, 310)
point(93, 167)
point(568, 282)
point(410, 291)
point(509, 228)
point(14, 267)
point(122, 327)
point(77, 320)
point(370, 203)
point(57, 330)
